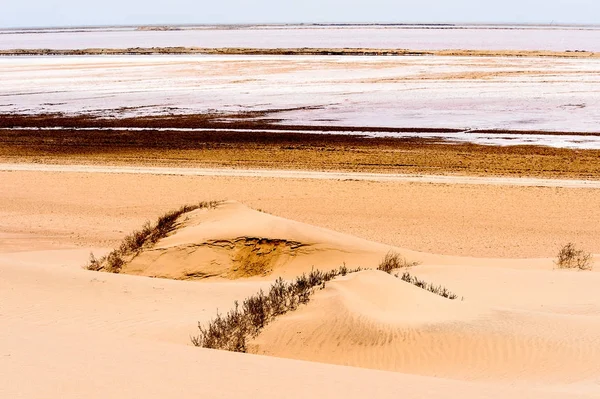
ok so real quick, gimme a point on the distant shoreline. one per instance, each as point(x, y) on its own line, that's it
point(297, 51)
point(474, 26)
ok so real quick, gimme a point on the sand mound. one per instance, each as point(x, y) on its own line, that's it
point(374, 320)
point(234, 241)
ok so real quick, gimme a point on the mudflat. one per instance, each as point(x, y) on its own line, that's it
point(253, 140)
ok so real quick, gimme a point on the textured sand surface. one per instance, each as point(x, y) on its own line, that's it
point(374, 320)
point(233, 241)
point(57, 210)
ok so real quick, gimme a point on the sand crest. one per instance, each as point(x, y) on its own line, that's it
point(234, 241)
point(374, 320)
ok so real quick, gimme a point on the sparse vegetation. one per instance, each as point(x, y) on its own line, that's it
point(436, 289)
point(393, 261)
point(232, 331)
point(149, 235)
point(569, 257)
point(294, 51)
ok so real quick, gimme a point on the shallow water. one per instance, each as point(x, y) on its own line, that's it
point(415, 38)
point(464, 93)
point(404, 92)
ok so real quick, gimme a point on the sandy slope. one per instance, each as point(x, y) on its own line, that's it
point(234, 241)
point(375, 320)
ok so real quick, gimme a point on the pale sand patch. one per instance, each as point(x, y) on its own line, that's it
point(306, 174)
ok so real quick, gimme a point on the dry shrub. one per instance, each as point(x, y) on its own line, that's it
point(149, 235)
point(436, 289)
point(393, 261)
point(569, 257)
point(232, 331)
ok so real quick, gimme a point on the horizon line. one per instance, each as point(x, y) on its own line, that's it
point(316, 24)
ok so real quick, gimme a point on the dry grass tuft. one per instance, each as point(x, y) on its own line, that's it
point(569, 257)
point(436, 289)
point(393, 261)
point(149, 235)
point(232, 331)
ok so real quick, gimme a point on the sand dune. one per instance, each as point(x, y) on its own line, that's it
point(502, 330)
point(234, 241)
point(374, 320)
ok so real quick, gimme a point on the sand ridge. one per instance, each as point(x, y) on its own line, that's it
point(377, 321)
point(233, 241)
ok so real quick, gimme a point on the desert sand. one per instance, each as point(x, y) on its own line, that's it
point(486, 221)
point(520, 327)
point(68, 333)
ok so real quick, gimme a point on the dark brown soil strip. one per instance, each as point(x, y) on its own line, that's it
point(255, 120)
point(296, 51)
